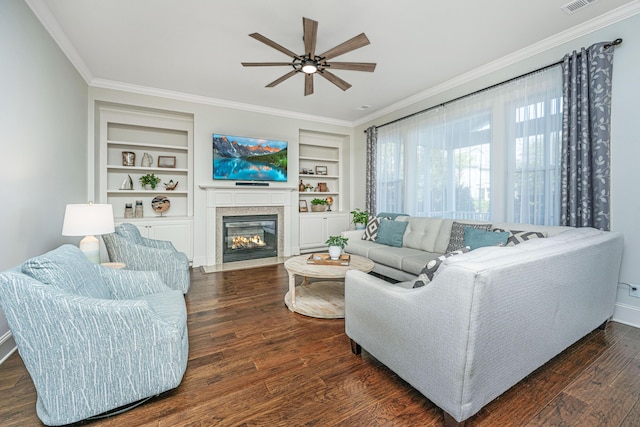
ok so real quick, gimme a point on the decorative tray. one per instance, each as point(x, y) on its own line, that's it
point(325, 259)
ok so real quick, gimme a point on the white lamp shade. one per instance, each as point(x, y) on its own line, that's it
point(87, 220)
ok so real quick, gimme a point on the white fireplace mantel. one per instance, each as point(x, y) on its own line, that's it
point(249, 197)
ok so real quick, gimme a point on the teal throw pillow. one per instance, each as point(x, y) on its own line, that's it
point(475, 238)
point(391, 232)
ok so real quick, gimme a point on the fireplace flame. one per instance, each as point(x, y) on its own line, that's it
point(243, 242)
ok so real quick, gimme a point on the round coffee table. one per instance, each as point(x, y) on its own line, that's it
point(323, 299)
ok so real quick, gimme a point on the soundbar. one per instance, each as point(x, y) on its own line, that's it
point(254, 184)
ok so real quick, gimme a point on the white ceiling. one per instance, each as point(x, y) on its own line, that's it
point(193, 48)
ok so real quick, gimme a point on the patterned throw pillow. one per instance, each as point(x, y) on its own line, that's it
point(456, 240)
point(517, 237)
point(429, 270)
point(371, 230)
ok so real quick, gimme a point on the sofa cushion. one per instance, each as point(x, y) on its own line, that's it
point(360, 247)
point(422, 232)
point(392, 256)
point(67, 268)
point(391, 233)
point(474, 238)
point(517, 237)
point(415, 263)
point(429, 270)
point(456, 239)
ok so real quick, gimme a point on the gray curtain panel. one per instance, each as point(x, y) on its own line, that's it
point(586, 125)
point(372, 149)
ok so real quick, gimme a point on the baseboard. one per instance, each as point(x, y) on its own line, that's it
point(7, 346)
point(627, 314)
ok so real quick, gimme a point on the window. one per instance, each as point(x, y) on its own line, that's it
point(489, 156)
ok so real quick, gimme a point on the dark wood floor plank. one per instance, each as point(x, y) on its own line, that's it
point(252, 362)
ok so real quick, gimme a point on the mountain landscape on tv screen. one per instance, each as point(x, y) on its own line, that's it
point(249, 159)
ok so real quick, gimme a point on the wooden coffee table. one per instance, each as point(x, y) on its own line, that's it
point(325, 298)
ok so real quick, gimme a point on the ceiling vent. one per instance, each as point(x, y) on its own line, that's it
point(576, 5)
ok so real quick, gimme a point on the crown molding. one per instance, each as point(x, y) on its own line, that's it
point(616, 15)
point(180, 96)
point(49, 22)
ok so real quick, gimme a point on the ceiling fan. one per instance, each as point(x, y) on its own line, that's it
point(309, 63)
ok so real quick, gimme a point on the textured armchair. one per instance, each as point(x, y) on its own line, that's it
point(126, 245)
point(93, 338)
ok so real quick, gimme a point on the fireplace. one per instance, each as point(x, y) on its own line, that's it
point(246, 237)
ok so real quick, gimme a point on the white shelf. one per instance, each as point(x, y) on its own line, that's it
point(146, 169)
point(318, 159)
point(126, 144)
point(156, 191)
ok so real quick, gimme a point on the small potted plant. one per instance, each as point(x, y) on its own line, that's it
point(336, 245)
point(149, 181)
point(318, 205)
point(360, 218)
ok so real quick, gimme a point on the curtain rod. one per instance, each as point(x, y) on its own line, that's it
point(606, 46)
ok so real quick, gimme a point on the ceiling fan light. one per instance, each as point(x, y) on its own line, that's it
point(309, 67)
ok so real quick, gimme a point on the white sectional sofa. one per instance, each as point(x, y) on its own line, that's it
point(488, 318)
point(424, 239)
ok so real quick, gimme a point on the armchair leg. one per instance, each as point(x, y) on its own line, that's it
point(449, 421)
point(355, 347)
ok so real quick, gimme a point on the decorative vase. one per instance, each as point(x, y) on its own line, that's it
point(335, 251)
point(147, 160)
point(128, 158)
point(360, 226)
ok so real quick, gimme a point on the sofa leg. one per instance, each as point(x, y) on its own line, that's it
point(355, 347)
point(449, 421)
point(604, 325)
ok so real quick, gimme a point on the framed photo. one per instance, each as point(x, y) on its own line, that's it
point(166, 161)
point(321, 170)
point(302, 206)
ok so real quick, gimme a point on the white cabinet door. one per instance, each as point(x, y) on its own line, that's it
point(336, 224)
point(177, 232)
point(315, 228)
point(311, 231)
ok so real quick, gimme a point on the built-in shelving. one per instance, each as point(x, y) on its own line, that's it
point(156, 133)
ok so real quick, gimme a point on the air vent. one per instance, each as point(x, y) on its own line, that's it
point(576, 5)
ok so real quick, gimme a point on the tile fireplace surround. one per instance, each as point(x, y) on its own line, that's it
point(230, 201)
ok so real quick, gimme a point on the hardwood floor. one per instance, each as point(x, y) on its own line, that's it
point(254, 363)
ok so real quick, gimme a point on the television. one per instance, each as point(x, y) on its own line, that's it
point(239, 158)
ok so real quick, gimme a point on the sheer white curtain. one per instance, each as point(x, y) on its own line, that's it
point(489, 156)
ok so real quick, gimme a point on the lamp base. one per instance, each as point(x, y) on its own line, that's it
point(91, 248)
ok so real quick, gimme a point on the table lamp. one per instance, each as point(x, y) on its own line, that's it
point(87, 220)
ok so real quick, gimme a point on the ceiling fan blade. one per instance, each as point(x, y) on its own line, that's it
point(308, 84)
point(352, 44)
point(265, 64)
point(310, 33)
point(274, 45)
point(335, 80)
point(281, 79)
point(353, 66)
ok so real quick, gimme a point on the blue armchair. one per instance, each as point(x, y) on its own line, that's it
point(126, 245)
point(93, 338)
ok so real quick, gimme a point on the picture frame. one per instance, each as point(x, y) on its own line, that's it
point(167, 161)
point(302, 206)
point(321, 170)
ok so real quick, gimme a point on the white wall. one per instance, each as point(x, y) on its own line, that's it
point(209, 119)
point(625, 151)
point(43, 140)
